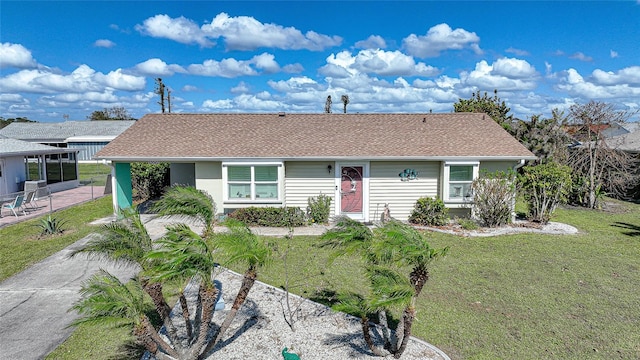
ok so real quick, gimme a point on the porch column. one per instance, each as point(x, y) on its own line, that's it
point(122, 185)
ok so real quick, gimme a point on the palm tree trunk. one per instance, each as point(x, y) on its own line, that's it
point(366, 332)
point(155, 292)
point(185, 315)
point(382, 319)
point(247, 282)
point(208, 295)
point(408, 315)
point(149, 333)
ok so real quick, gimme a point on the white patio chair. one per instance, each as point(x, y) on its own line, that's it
point(30, 201)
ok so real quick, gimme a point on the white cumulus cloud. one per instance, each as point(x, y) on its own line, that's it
point(372, 42)
point(375, 61)
point(82, 79)
point(230, 68)
point(247, 33)
point(15, 55)
point(601, 85)
point(504, 75)
point(581, 56)
point(440, 38)
point(104, 43)
point(180, 29)
point(157, 67)
point(629, 75)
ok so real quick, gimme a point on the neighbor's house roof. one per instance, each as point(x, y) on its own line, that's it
point(61, 131)
point(190, 137)
point(13, 147)
point(629, 142)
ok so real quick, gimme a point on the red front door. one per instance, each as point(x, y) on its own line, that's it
point(351, 189)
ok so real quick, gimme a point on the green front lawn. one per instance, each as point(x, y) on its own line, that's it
point(509, 297)
point(21, 247)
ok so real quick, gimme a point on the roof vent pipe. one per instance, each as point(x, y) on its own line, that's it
point(281, 113)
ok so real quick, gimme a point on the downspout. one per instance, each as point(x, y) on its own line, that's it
point(513, 202)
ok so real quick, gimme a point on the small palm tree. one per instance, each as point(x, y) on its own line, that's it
point(357, 305)
point(184, 255)
point(188, 201)
point(127, 242)
point(239, 246)
point(106, 300)
point(386, 250)
point(405, 246)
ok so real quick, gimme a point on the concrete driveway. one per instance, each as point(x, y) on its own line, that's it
point(34, 303)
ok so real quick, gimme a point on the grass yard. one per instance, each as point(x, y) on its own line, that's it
point(509, 297)
point(96, 171)
point(21, 247)
point(517, 296)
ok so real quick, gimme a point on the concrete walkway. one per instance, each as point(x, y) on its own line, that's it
point(34, 303)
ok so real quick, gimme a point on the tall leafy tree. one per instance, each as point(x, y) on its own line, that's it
point(490, 105)
point(544, 137)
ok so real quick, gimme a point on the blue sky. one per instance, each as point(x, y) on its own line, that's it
point(70, 58)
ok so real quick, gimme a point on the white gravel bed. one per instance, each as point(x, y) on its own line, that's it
point(260, 331)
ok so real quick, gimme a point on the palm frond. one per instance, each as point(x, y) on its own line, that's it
point(400, 243)
point(348, 237)
point(187, 201)
point(240, 245)
point(181, 254)
point(105, 299)
point(353, 304)
point(125, 241)
point(389, 288)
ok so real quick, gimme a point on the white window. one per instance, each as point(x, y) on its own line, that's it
point(457, 181)
point(255, 183)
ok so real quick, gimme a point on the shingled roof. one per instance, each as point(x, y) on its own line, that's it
point(314, 136)
point(14, 147)
point(60, 131)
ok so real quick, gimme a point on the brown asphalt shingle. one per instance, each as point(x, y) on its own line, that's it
point(324, 136)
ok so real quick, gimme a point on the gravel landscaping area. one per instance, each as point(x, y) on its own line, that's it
point(261, 332)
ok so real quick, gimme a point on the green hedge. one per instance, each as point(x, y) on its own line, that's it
point(270, 216)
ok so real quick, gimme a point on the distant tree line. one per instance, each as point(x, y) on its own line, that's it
point(113, 113)
point(4, 122)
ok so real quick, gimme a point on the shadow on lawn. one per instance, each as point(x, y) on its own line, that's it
point(635, 229)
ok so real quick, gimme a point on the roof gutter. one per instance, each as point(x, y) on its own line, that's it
point(521, 159)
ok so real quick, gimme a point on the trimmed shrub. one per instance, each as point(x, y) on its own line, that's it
point(544, 187)
point(270, 216)
point(467, 224)
point(429, 211)
point(319, 209)
point(493, 198)
point(148, 180)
